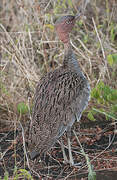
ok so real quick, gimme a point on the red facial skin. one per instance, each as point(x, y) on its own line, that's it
point(64, 26)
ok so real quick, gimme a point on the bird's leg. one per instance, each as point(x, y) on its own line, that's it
point(69, 146)
point(63, 151)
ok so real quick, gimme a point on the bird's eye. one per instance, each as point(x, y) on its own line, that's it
point(68, 22)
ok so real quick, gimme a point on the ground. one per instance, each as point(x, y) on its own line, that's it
point(29, 48)
point(98, 141)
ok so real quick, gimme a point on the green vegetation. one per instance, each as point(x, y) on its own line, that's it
point(104, 95)
point(22, 173)
point(22, 108)
point(112, 60)
point(29, 48)
point(91, 172)
point(18, 174)
point(106, 99)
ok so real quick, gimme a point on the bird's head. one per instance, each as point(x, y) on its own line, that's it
point(64, 25)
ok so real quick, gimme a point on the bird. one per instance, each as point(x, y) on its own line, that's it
point(60, 97)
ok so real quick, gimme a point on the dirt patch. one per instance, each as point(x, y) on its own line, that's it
point(98, 143)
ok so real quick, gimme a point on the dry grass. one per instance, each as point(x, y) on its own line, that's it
point(29, 46)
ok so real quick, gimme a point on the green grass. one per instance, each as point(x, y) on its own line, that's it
point(18, 174)
point(30, 48)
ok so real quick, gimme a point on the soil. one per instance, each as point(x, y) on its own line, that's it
point(99, 143)
point(98, 139)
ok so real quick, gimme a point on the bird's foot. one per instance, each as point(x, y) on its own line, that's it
point(72, 163)
point(66, 161)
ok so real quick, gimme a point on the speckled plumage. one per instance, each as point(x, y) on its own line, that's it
point(60, 98)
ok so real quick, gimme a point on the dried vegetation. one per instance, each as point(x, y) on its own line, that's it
point(29, 48)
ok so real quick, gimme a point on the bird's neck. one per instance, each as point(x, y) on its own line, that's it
point(70, 60)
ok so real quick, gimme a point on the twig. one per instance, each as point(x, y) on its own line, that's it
point(110, 142)
point(102, 49)
point(99, 40)
point(108, 115)
point(86, 49)
point(25, 152)
point(83, 57)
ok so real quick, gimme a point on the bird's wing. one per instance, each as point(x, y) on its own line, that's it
point(57, 100)
point(58, 93)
